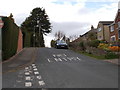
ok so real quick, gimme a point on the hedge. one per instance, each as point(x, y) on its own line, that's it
point(9, 38)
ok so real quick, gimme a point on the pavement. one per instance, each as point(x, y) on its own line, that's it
point(114, 61)
point(58, 68)
point(19, 61)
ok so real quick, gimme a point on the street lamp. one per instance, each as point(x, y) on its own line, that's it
point(39, 26)
point(34, 36)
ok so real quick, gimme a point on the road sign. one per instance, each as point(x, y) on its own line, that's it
point(1, 23)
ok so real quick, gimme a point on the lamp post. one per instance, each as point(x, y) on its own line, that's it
point(34, 36)
point(39, 26)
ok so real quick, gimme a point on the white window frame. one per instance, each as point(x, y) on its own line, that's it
point(113, 37)
point(111, 28)
point(99, 29)
point(119, 24)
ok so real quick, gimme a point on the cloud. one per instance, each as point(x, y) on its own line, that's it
point(70, 16)
point(70, 28)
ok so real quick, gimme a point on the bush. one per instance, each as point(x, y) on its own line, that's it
point(53, 43)
point(93, 43)
point(114, 48)
point(104, 46)
point(82, 46)
point(111, 55)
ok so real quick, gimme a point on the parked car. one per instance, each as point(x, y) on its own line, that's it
point(61, 44)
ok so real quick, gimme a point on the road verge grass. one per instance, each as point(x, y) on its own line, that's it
point(101, 57)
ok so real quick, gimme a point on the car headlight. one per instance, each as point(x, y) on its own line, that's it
point(57, 44)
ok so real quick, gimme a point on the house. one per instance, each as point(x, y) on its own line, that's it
point(88, 36)
point(103, 30)
point(115, 28)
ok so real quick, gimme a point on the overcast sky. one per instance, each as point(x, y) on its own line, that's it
point(73, 17)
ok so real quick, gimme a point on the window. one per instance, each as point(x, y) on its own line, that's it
point(112, 28)
point(113, 38)
point(119, 34)
point(119, 24)
point(99, 29)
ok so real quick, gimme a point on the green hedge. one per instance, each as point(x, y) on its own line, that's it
point(9, 38)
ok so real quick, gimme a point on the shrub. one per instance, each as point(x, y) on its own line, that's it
point(103, 46)
point(111, 55)
point(114, 48)
point(93, 43)
point(81, 44)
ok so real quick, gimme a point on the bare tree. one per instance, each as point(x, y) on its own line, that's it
point(59, 35)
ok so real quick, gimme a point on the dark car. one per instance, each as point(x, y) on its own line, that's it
point(61, 44)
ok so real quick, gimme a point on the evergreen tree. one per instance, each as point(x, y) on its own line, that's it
point(38, 21)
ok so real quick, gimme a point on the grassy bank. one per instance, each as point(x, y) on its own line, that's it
point(102, 57)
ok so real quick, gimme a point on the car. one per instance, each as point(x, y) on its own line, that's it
point(61, 44)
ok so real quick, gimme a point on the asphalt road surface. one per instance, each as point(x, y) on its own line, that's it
point(62, 68)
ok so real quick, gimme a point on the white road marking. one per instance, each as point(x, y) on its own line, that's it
point(48, 60)
point(36, 72)
point(65, 55)
point(38, 77)
point(28, 78)
point(56, 59)
point(26, 68)
point(65, 59)
point(79, 59)
point(28, 84)
point(59, 55)
point(34, 66)
point(69, 59)
point(35, 69)
point(60, 59)
point(27, 73)
point(41, 83)
point(53, 55)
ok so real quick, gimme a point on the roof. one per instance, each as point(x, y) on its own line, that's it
point(106, 22)
point(3, 16)
point(117, 14)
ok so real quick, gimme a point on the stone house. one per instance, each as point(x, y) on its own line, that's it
point(103, 32)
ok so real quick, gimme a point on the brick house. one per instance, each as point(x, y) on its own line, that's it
point(103, 30)
point(115, 28)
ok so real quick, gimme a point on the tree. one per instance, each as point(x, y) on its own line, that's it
point(59, 35)
point(38, 21)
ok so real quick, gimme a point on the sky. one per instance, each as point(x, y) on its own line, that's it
point(72, 17)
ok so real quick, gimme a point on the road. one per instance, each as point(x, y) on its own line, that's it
point(61, 68)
